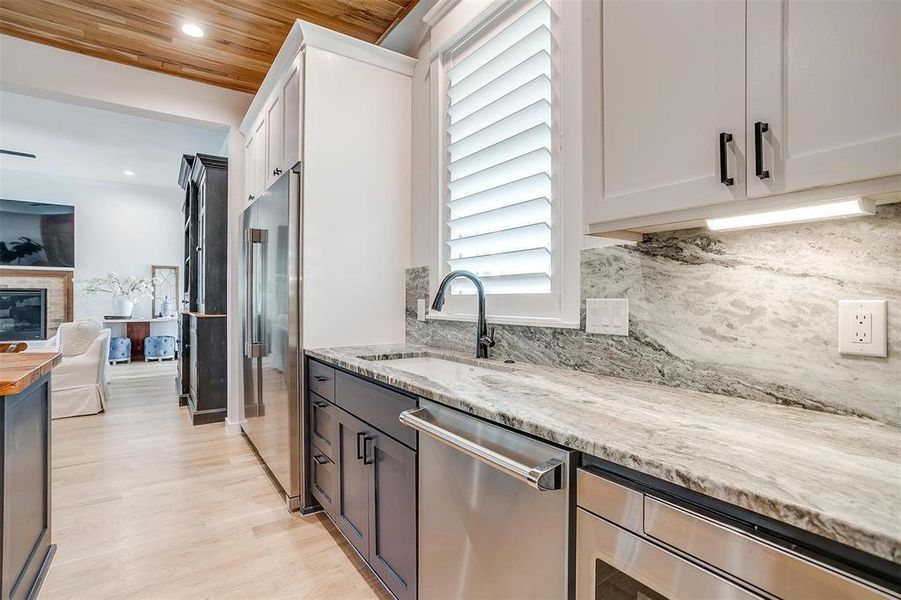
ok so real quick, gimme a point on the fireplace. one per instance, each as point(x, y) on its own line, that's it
point(23, 314)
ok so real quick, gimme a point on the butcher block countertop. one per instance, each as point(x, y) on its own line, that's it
point(19, 370)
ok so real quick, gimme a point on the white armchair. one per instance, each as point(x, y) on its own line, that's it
point(79, 383)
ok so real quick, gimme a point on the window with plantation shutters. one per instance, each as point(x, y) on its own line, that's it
point(498, 213)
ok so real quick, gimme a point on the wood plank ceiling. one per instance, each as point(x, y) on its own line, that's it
point(241, 37)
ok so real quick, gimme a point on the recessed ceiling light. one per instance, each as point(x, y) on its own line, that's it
point(129, 173)
point(192, 29)
point(845, 207)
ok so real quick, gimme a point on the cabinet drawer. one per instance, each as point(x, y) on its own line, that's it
point(378, 406)
point(324, 480)
point(324, 424)
point(322, 380)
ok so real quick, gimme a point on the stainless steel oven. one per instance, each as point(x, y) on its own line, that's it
point(631, 545)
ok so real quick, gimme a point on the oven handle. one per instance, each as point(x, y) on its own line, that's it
point(544, 477)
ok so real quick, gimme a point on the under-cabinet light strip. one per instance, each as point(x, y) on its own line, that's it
point(845, 207)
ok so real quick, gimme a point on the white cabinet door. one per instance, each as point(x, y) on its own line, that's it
point(673, 81)
point(292, 95)
point(250, 153)
point(259, 157)
point(275, 139)
point(825, 78)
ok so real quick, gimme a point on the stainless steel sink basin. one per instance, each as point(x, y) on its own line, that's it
point(440, 368)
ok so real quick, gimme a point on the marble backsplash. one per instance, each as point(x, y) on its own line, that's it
point(752, 314)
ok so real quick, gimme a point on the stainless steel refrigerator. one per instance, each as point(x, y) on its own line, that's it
point(271, 309)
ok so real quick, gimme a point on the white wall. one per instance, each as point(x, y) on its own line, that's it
point(119, 228)
point(38, 70)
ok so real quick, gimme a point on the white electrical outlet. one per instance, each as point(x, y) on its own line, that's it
point(862, 327)
point(607, 316)
point(420, 309)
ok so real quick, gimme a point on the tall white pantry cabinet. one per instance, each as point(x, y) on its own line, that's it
point(341, 108)
point(707, 105)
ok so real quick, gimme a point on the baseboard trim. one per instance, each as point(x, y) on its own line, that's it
point(204, 417)
point(232, 426)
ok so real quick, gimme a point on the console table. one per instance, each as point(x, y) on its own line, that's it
point(136, 329)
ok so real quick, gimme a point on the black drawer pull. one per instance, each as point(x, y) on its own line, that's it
point(759, 129)
point(368, 453)
point(321, 459)
point(725, 138)
point(360, 445)
point(320, 378)
point(320, 403)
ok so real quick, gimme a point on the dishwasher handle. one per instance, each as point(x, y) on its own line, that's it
point(544, 477)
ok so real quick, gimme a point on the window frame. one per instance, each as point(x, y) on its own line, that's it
point(560, 307)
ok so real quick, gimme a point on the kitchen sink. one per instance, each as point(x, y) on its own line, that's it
point(444, 368)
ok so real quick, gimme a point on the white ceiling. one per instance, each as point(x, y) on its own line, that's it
point(71, 140)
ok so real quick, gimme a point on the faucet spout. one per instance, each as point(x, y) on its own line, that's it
point(484, 341)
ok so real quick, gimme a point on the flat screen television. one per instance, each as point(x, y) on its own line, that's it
point(35, 234)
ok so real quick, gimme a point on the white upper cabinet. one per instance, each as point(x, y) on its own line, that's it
point(249, 149)
point(292, 95)
point(673, 89)
point(255, 160)
point(792, 97)
point(824, 81)
point(259, 157)
point(273, 143)
point(275, 138)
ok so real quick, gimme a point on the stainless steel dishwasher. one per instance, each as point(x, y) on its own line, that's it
point(494, 509)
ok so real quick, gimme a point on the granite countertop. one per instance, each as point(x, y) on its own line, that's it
point(832, 475)
point(19, 370)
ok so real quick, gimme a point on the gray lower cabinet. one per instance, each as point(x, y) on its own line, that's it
point(363, 474)
point(392, 515)
point(352, 510)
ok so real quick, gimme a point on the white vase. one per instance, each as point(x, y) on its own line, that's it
point(122, 307)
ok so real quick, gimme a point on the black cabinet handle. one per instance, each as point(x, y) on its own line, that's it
point(249, 197)
point(276, 171)
point(725, 138)
point(759, 129)
point(320, 377)
point(321, 459)
point(360, 442)
point(320, 404)
point(368, 454)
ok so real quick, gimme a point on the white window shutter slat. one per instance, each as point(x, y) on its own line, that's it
point(499, 213)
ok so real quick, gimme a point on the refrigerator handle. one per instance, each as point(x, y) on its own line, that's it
point(252, 348)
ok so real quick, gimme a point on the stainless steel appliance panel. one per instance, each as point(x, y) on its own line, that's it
point(763, 565)
point(271, 313)
point(614, 563)
point(485, 529)
point(632, 545)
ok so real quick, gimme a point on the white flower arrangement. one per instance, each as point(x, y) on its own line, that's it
point(130, 288)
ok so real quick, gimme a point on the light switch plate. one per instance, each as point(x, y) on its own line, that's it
point(607, 316)
point(420, 309)
point(862, 327)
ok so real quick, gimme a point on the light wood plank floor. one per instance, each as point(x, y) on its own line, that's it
point(147, 506)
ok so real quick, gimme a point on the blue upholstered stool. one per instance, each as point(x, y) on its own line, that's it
point(159, 347)
point(120, 350)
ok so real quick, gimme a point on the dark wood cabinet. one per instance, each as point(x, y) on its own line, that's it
point(204, 178)
point(26, 551)
point(207, 368)
point(202, 370)
point(363, 470)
